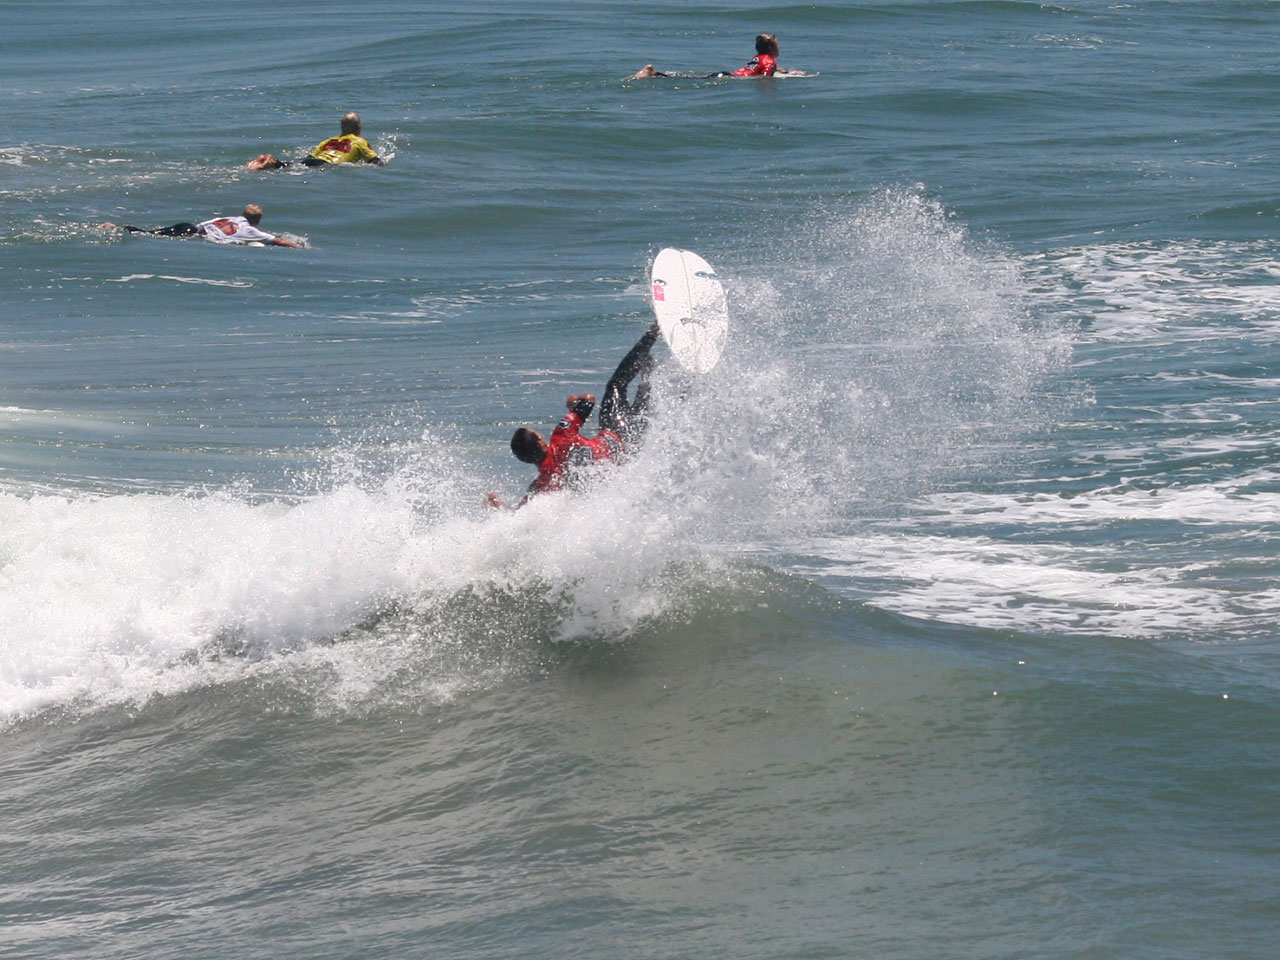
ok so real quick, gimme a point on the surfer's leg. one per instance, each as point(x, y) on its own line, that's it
point(640, 405)
point(637, 418)
point(177, 230)
point(614, 409)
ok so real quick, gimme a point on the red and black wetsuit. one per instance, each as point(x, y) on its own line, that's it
point(622, 422)
point(568, 452)
point(761, 65)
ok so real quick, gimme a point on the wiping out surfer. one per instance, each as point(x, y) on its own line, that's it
point(240, 230)
point(763, 64)
point(347, 147)
point(566, 461)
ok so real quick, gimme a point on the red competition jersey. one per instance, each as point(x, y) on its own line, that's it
point(761, 65)
point(569, 450)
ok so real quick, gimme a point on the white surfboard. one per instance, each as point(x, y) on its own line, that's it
point(691, 308)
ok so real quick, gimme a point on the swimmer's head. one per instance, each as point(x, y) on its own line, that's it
point(253, 213)
point(351, 123)
point(767, 43)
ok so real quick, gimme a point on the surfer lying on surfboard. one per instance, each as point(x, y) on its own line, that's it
point(347, 147)
point(763, 64)
point(240, 230)
point(564, 462)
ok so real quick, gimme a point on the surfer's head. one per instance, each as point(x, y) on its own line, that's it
point(767, 43)
point(253, 213)
point(351, 123)
point(528, 446)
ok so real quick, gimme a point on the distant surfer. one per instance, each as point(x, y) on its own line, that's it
point(763, 64)
point(237, 230)
point(347, 147)
point(565, 461)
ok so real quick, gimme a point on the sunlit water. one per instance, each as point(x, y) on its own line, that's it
point(938, 620)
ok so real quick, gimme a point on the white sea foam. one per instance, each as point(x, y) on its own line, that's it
point(134, 277)
point(99, 594)
point(110, 599)
point(1167, 292)
point(1031, 587)
point(1058, 575)
point(898, 348)
point(1232, 501)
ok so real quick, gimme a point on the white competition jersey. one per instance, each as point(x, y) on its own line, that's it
point(233, 230)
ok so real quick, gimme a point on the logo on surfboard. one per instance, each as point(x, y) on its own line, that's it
point(658, 292)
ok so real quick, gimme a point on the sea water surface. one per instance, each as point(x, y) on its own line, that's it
point(939, 620)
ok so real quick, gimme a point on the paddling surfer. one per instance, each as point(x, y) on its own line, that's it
point(240, 230)
point(347, 147)
point(763, 64)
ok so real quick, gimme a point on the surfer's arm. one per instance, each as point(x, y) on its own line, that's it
point(281, 242)
point(581, 404)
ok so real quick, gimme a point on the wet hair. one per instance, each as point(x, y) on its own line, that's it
point(528, 446)
point(351, 123)
point(767, 43)
point(253, 213)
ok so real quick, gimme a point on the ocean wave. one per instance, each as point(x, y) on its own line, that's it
point(117, 599)
point(888, 349)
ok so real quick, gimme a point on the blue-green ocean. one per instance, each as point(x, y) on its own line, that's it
point(938, 621)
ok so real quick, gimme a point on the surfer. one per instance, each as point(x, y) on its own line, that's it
point(763, 64)
point(238, 230)
point(564, 461)
point(347, 147)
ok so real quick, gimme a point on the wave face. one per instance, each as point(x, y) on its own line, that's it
point(886, 353)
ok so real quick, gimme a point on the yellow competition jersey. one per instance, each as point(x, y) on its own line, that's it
point(346, 148)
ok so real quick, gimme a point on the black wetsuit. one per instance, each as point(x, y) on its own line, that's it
point(307, 162)
point(177, 230)
point(628, 419)
point(704, 76)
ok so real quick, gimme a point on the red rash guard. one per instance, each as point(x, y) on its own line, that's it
point(568, 449)
point(761, 65)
